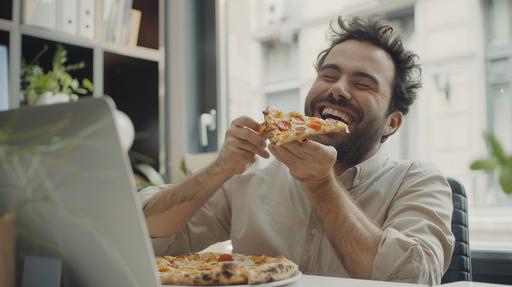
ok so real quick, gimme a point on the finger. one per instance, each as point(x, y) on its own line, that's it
point(247, 146)
point(315, 148)
point(283, 153)
point(245, 121)
point(248, 135)
point(296, 148)
point(276, 154)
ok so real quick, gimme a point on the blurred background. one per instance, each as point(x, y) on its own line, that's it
point(465, 50)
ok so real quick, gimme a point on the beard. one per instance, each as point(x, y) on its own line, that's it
point(354, 147)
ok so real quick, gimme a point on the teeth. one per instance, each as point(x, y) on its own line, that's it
point(343, 116)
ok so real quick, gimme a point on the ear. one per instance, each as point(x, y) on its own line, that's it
point(393, 122)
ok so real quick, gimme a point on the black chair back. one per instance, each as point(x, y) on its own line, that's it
point(460, 266)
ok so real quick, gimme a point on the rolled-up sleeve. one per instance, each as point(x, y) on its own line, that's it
point(210, 224)
point(417, 242)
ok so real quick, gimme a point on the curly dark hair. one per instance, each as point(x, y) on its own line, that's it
point(377, 31)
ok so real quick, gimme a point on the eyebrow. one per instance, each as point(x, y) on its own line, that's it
point(358, 74)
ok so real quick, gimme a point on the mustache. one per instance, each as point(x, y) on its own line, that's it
point(341, 101)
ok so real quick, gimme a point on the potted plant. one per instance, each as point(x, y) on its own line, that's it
point(56, 85)
point(497, 162)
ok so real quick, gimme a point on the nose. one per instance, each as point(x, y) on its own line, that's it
point(339, 91)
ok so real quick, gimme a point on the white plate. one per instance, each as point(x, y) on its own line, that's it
point(270, 284)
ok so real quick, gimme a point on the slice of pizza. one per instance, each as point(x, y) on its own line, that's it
point(282, 127)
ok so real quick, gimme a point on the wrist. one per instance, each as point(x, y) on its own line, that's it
point(320, 186)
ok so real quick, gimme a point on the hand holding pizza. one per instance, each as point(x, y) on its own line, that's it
point(241, 145)
point(309, 162)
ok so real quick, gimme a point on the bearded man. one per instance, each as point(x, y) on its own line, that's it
point(335, 205)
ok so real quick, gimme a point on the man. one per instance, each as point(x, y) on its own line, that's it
point(334, 205)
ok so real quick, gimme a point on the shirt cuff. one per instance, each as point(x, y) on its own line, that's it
point(400, 258)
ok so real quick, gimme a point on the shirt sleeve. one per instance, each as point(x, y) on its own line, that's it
point(209, 225)
point(417, 242)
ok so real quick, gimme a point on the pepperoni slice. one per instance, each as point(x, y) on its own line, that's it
point(300, 129)
point(284, 125)
point(298, 120)
point(225, 257)
point(315, 125)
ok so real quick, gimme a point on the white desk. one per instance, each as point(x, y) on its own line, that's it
point(471, 284)
point(309, 280)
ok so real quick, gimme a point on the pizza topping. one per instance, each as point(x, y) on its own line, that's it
point(284, 125)
point(225, 257)
point(315, 126)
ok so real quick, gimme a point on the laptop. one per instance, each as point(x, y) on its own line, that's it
point(64, 172)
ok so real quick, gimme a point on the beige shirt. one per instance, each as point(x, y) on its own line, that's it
point(265, 211)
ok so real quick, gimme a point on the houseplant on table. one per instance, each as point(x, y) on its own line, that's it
point(56, 85)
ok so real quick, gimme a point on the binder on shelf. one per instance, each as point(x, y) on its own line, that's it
point(122, 21)
point(136, 16)
point(86, 18)
point(4, 79)
point(107, 11)
point(40, 13)
point(67, 16)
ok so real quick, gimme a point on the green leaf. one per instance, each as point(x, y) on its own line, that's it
point(486, 164)
point(88, 84)
point(506, 179)
point(496, 148)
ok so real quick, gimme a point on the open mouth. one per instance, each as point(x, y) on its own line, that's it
point(330, 113)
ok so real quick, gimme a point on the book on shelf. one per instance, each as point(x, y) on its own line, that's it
point(86, 18)
point(4, 79)
point(134, 27)
point(67, 16)
point(121, 23)
point(40, 13)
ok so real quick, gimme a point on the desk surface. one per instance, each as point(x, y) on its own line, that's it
point(309, 280)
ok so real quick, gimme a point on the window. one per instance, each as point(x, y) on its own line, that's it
point(500, 25)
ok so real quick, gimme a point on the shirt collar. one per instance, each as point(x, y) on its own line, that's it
point(358, 174)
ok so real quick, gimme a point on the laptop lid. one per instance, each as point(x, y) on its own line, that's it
point(63, 171)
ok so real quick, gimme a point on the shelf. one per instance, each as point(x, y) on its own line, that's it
point(5, 25)
point(56, 36)
point(135, 52)
point(52, 35)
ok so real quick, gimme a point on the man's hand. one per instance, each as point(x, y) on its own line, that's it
point(309, 162)
point(241, 145)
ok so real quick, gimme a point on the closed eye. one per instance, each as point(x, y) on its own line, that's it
point(329, 78)
point(362, 86)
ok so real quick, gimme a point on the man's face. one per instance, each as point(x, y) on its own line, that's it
point(353, 85)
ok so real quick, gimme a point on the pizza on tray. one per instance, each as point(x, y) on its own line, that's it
point(282, 127)
point(212, 268)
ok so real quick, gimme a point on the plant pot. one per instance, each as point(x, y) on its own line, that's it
point(7, 249)
point(49, 98)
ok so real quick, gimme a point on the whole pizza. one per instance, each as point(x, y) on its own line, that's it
point(212, 268)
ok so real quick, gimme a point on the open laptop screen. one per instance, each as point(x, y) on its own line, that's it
point(63, 171)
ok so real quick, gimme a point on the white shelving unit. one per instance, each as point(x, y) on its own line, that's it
point(118, 63)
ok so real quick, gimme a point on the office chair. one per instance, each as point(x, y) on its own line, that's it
point(460, 266)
